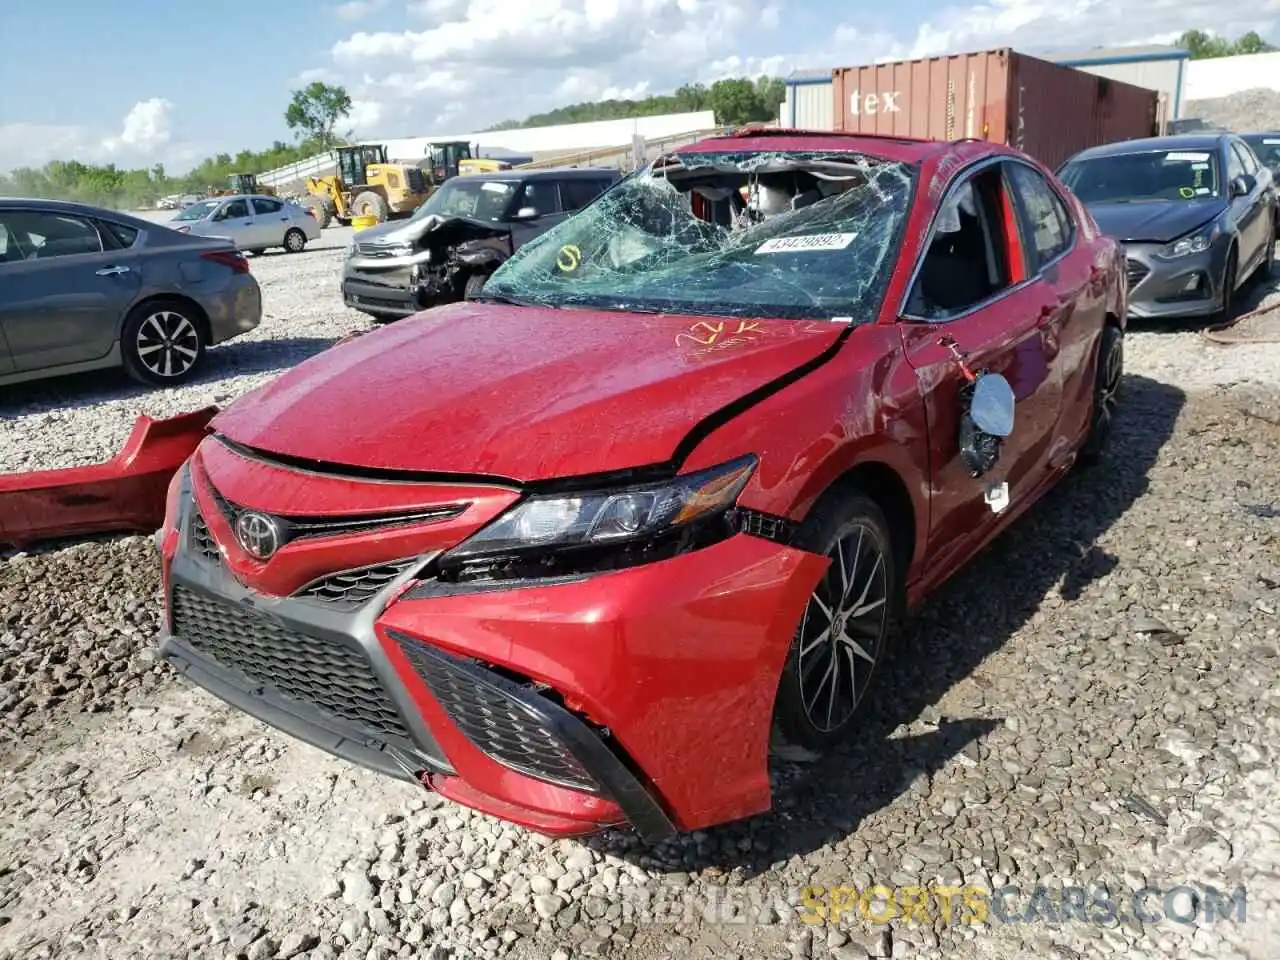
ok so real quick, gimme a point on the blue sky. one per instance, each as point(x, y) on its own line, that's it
point(145, 81)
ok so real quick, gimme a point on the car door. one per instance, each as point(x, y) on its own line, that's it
point(1075, 313)
point(1244, 210)
point(271, 220)
point(976, 303)
point(67, 283)
point(542, 197)
point(1260, 195)
point(234, 220)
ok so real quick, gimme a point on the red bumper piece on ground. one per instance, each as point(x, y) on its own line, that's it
point(126, 493)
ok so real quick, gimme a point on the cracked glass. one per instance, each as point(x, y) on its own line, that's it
point(785, 234)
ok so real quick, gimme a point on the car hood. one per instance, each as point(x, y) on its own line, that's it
point(524, 393)
point(1155, 222)
point(448, 229)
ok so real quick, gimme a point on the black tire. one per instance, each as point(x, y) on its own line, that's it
point(1224, 312)
point(155, 324)
point(475, 283)
point(371, 204)
point(295, 241)
point(850, 522)
point(1106, 396)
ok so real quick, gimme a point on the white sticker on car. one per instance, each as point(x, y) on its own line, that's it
point(1271, 141)
point(813, 241)
point(496, 187)
point(1200, 166)
point(1202, 191)
point(1175, 157)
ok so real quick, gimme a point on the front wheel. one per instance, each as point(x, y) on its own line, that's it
point(1228, 288)
point(161, 343)
point(845, 629)
point(370, 204)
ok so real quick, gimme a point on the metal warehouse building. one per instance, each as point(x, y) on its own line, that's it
point(810, 105)
point(1163, 69)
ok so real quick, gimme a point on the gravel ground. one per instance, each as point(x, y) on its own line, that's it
point(1244, 111)
point(1094, 701)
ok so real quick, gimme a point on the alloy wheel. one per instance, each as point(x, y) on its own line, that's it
point(1109, 387)
point(167, 344)
point(842, 633)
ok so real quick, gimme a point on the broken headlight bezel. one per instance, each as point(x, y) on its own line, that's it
point(568, 533)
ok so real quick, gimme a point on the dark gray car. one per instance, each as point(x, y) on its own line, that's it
point(1196, 215)
point(465, 231)
point(84, 289)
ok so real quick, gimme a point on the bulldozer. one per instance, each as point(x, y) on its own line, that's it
point(248, 183)
point(446, 160)
point(365, 184)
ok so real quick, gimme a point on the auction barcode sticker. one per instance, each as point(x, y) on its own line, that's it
point(814, 241)
point(1175, 157)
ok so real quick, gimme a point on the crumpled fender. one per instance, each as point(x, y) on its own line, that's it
point(125, 493)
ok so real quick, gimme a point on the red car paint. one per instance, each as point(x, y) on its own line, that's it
point(126, 493)
point(463, 410)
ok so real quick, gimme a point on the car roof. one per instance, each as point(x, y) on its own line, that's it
point(1261, 133)
point(73, 207)
point(1180, 141)
point(764, 139)
point(559, 173)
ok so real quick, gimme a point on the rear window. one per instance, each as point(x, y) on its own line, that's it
point(1152, 175)
point(125, 236)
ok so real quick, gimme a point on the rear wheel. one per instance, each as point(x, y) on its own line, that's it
point(845, 629)
point(370, 204)
point(321, 210)
point(1106, 396)
point(294, 240)
point(162, 343)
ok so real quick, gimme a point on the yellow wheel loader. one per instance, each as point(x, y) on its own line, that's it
point(248, 183)
point(365, 184)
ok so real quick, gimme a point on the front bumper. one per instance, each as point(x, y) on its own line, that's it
point(382, 293)
point(1190, 286)
point(564, 707)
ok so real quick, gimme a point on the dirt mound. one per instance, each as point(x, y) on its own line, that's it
point(1257, 109)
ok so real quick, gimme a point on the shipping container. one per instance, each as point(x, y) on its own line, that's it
point(1045, 110)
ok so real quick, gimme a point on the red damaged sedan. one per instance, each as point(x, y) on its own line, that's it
point(587, 550)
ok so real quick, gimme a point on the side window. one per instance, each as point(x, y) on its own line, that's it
point(267, 206)
point(40, 236)
point(1046, 224)
point(578, 193)
point(542, 195)
point(125, 236)
point(968, 257)
point(235, 210)
point(1235, 167)
point(1247, 159)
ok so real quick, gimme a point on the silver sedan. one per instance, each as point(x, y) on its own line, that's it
point(252, 222)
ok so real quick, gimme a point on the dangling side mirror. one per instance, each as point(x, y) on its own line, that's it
point(992, 405)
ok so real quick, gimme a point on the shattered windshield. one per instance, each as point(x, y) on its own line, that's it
point(794, 235)
point(470, 196)
point(1149, 176)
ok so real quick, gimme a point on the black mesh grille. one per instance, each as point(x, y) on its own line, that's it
point(766, 525)
point(498, 723)
point(351, 588)
point(1135, 271)
point(328, 676)
point(201, 540)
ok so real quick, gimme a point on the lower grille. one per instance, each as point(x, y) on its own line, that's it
point(485, 708)
point(1135, 271)
point(328, 676)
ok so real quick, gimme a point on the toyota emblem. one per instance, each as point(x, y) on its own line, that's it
point(258, 534)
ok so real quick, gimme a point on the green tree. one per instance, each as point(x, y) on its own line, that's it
point(315, 111)
point(1206, 46)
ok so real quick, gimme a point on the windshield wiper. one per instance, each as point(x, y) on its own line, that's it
point(513, 301)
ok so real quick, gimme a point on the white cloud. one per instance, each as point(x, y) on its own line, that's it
point(355, 9)
point(145, 137)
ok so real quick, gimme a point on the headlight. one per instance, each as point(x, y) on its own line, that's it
point(1197, 242)
point(549, 529)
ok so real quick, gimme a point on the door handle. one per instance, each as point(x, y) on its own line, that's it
point(111, 271)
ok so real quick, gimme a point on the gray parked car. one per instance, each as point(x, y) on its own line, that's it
point(464, 232)
point(84, 289)
point(1195, 212)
